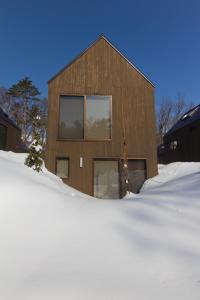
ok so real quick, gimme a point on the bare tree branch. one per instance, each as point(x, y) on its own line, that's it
point(169, 112)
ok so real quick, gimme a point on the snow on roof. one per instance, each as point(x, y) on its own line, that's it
point(6, 118)
point(188, 118)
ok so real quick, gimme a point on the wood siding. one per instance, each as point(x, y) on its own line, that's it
point(101, 70)
point(13, 137)
point(188, 144)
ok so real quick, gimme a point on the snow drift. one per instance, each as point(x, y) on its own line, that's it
point(57, 243)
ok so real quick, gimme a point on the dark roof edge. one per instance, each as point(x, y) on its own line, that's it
point(5, 117)
point(192, 119)
point(130, 63)
point(84, 51)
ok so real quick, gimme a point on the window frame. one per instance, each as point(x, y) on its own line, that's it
point(120, 161)
point(62, 158)
point(173, 145)
point(84, 118)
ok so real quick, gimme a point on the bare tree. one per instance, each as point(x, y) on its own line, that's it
point(25, 95)
point(164, 115)
point(180, 106)
point(12, 104)
point(42, 125)
point(169, 112)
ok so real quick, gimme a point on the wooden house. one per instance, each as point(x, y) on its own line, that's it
point(101, 123)
point(181, 142)
point(10, 134)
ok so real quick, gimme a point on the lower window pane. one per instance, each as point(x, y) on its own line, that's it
point(71, 117)
point(62, 167)
point(137, 174)
point(98, 122)
point(106, 179)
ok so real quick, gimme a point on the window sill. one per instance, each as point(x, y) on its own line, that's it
point(80, 140)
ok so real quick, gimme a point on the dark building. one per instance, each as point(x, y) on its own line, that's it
point(182, 141)
point(10, 134)
point(94, 102)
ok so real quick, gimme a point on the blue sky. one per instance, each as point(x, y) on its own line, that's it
point(162, 38)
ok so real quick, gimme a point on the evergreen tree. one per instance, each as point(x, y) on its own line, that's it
point(6, 102)
point(34, 158)
point(25, 95)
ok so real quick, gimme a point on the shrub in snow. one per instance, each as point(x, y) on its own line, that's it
point(34, 158)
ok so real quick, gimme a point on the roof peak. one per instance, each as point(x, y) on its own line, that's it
point(101, 36)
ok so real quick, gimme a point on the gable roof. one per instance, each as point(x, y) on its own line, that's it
point(82, 53)
point(5, 117)
point(188, 118)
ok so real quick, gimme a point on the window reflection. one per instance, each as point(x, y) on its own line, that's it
point(88, 118)
point(62, 167)
point(106, 179)
point(137, 174)
point(98, 117)
point(71, 117)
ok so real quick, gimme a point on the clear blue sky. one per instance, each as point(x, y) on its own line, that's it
point(162, 38)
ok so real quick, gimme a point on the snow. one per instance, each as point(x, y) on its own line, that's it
point(57, 243)
point(37, 147)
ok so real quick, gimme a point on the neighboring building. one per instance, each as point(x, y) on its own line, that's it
point(10, 134)
point(182, 141)
point(92, 102)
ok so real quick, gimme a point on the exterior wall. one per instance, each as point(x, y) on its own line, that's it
point(103, 71)
point(188, 148)
point(13, 139)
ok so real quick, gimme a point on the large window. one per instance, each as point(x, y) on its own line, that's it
point(62, 167)
point(3, 133)
point(85, 117)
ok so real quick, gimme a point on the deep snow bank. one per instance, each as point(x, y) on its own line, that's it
point(56, 243)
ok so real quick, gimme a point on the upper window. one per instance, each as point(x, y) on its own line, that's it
point(71, 117)
point(97, 117)
point(85, 117)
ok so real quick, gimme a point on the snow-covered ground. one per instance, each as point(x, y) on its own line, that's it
point(58, 244)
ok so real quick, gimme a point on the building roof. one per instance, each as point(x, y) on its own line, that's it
point(188, 118)
point(101, 37)
point(5, 117)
